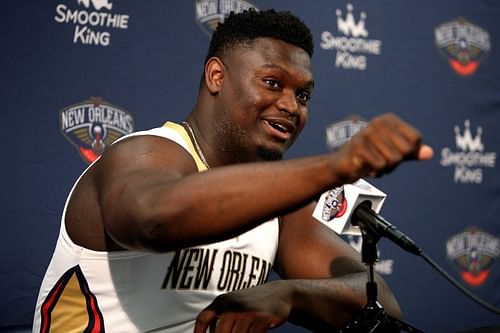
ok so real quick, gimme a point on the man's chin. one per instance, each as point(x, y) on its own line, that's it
point(267, 154)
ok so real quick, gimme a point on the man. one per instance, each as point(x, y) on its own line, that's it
point(170, 218)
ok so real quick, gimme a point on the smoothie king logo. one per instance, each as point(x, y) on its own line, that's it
point(209, 13)
point(463, 44)
point(470, 157)
point(92, 125)
point(352, 45)
point(473, 251)
point(92, 21)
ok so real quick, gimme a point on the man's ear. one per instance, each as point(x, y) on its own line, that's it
point(214, 75)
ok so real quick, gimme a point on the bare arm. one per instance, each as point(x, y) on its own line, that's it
point(158, 201)
point(325, 286)
point(337, 291)
point(151, 196)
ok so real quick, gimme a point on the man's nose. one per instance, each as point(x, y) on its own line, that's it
point(287, 102)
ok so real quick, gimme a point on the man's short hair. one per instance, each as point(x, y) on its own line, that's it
point(240, 30)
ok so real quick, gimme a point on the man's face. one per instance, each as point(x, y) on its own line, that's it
point(262, 103)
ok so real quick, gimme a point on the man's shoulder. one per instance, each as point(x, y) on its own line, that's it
point(170, 131)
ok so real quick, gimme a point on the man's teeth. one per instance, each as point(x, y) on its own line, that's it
point(279, 127)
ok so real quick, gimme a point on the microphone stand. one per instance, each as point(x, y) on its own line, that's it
point(373, 318)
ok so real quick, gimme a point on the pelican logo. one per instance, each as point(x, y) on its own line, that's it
point(473, 251)
point(92, 125)
point(92, 25)
point(209, 13)
point(469, 158)
point(352, 44)
point(335, 204)
point(463, 44)
point(340, 132)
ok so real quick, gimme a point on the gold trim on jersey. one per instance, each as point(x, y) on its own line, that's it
point(192, 151)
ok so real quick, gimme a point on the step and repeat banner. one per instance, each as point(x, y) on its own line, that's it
point(78, 74)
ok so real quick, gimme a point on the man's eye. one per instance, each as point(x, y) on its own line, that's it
point(273, 83)
point(303, 97)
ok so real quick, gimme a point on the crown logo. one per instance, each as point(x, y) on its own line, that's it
point(97, 4)
point(466, 142)
point(348, 26)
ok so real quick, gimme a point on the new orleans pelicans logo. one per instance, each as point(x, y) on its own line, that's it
point(209, 13)
point(335, 204)
point(342, 131)
point(463, 44)
point(474, 252)
point(92, 125)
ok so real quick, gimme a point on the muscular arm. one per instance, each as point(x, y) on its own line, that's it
point(324, 285)
point(335, 289)
point(156, 200)
point(151, 197)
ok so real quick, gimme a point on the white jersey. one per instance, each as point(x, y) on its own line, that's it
point(130, 291)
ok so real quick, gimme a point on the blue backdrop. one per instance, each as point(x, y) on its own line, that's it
point(77, 74)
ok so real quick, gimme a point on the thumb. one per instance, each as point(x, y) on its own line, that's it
point(425, 153)
point(204, 320)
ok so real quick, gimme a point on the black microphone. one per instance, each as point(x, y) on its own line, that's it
point(364, 217)
point(352, 207)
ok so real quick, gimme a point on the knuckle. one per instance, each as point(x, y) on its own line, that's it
point(394, 160)
point(378, 121)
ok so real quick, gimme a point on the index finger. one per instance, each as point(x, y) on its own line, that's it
point(204, 319)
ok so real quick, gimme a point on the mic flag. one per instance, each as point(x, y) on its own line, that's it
point(336, 206)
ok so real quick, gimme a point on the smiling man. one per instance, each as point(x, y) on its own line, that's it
point(176, 229)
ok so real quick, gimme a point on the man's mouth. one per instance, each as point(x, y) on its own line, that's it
point(280, 129)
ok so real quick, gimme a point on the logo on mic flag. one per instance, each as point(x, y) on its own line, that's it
point(335, 204)
point(335, 207)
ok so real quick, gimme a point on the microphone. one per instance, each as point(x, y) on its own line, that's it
point(367, 219)
point(351, 208)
